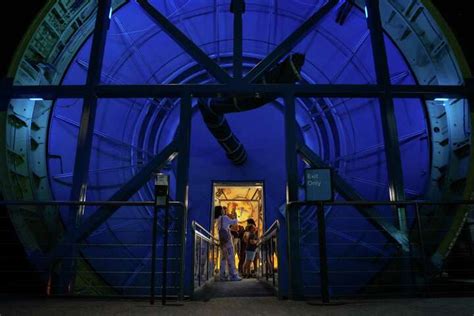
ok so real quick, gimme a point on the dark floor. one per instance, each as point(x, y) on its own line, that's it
point(239, 306)
point(17, 276)
point(244, 288)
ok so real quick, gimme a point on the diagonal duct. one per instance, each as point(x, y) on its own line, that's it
point(213, 110)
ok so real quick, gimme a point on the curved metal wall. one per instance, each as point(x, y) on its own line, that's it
point(344, 132)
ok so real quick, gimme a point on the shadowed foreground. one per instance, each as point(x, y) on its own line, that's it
point(244, 306)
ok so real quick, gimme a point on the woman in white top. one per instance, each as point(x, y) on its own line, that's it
point(226, 245)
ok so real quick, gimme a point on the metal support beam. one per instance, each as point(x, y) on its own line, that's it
point(290, 42)
point(185, 43)
point(350, 194)
point(387, 111)
point(84, 144)
point(184, 141)
point(237, 7)
point(292, 212)
point(123, 194)
point(226, 90)
point(390, 133)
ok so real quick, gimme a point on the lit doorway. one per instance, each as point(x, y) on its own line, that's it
point(247, 200)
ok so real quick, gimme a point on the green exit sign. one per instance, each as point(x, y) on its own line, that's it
point(318, 185)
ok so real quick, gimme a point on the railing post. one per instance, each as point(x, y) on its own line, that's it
point(199, 260)
point(323, 259)
point(272, 265)
point(213, 265)
point(422, 243)
point(216, 257)
point(265, 245)
point(165, 256)
point(193, 263)
point(207, 261)
point(153, 254)
point(269, 255)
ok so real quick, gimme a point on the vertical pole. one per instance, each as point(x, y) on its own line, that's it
point(84, 143)
point(264, 266)
point(164, 273)
point(215, 257)
point(278, 262)
point(193, 261)
point(292, 213)
point(199, 261)
point(153, 255)
point(422, 242)
point(272, 261)
point(323, 257)
point(207, 261)
point(184, 138)
point(266, 259)
point(238, 8)
point(212, 259)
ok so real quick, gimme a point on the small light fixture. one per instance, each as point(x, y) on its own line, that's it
point(36, 99)
point(366, 12)
point(441, 100)
point(110, 13)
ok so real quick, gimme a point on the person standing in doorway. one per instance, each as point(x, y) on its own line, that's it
point(251, 222)
point(241, 249)
point(251, 240)
point(226, 245)
point(234, 230)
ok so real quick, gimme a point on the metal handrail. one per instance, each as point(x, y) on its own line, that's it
point(267, 246)
point(195, 226)
point(202, 236)
point(270, 232)
point(205, 253)
point(323, 270)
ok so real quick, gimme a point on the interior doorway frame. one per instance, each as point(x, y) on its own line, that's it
point(239, 183)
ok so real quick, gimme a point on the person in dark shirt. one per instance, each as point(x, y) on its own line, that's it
point(251, 240)
point(241, 249)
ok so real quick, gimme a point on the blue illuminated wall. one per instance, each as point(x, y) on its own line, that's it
point(344, 132)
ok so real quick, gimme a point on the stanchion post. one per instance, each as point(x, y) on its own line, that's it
point(153, 254)
point(199, 260)
point(208, 246)
point(165, 255)
point(265, 250)
point(272, 264)
point(323, 259)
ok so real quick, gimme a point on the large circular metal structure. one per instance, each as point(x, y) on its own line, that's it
point(39, 138)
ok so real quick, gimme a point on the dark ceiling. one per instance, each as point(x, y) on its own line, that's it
point(16, 19)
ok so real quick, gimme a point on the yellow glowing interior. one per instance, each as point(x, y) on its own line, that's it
point(247, 202)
